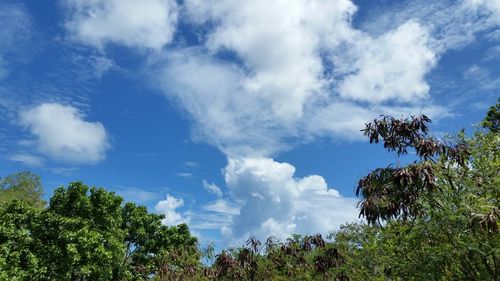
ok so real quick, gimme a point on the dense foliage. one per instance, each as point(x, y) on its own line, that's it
point(86, 234)
point(24, 186)
point(436, 218)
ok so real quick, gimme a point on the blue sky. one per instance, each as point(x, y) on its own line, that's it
point(237, 117)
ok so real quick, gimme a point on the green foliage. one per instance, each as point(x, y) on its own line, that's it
point(453, 235)
point(87, 234)
point(492, 119)
point(24, 186)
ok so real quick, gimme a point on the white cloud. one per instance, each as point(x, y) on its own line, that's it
point(214, 215)
point(143, 24)
point(492, 6)
point(492, 54)
point(482, 78)
point(62, 133)
point(452, 24)
point(27, 159)
point(210, 220)
point(168, 208)
point(294, 59)
point(222, 206)
point(191, 164)
point(212, 188)
point(184, 175)
point(279, 42)
point(273, 199)
point(391, 67)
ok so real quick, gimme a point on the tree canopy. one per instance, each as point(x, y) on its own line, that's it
point(24, 186)
point(86, 234)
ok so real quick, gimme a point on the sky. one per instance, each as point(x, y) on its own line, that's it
point(239, 118)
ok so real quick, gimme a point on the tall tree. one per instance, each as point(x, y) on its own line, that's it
point(24, 186)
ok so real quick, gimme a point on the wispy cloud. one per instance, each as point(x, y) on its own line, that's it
point(222, 206)
point(184, 175)
point(137, 195)
point(482, 78)
point(27, 159)
point(191, 164)
point(212, 188)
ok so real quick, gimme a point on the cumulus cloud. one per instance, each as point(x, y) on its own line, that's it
point(212, 188)
point(168, 208)
point(291, 60)
point(62, 133)
point(143, 24)
point(277, 40)
point(391, 67)
point(274, 199)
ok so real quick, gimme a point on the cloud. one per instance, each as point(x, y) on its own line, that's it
point(191, 164)
point(482, 78)
point(62, 133)
point(274, 199)
point(223, 207)
point(278, 40)
point(27, 159)
point(137, 195)
point(214, 215)
point(289, 61)
point(168, 208)
point(212, 188)
point(391, 67)
point(16, 30)
point(144, 24)
point(452, 24)
point(184, 175)
point(492, 54)
point(492, 8)
point(209, 220)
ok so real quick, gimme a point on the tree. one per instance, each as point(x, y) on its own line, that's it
point(86, 234)
point(492, 119)
point(434, 219)
point(24, 186)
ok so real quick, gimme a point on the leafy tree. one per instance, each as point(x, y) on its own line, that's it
point(24, 186)
point(492, 119)
point(18, 257)
point(434, 219)
point(87, 234)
